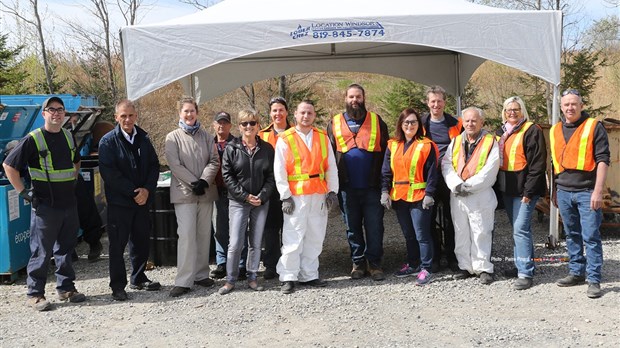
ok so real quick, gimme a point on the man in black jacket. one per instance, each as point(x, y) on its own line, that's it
point(130, 168)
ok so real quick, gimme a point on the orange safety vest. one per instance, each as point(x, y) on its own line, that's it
point(367, 138)
point(305, 168)
point(453, 131)
point(477, 160)
point(408, 182)
point(269, 135)
point(579, 150)
point(514, 153)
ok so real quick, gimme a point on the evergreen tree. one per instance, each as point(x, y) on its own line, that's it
point(11, 76)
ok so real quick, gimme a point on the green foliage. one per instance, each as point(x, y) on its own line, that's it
point(580, 73)
point(11, 76)
point(404, 94)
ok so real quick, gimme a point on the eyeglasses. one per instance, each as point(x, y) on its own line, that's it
point(409, 122)
point(246, 123)
point(55, 110)
point(510, 111)
point(571, 91)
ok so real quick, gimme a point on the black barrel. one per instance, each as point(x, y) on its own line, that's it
point(163, 249)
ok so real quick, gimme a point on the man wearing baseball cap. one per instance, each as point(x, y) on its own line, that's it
point(49, 153)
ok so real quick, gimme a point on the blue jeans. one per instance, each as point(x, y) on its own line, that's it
point(581, 226)
point(222, 231)
point(520, 216)
point(362, 208)
point(416, 225)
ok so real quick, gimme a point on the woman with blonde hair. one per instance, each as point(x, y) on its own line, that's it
point(247, 168)
point(521, 180)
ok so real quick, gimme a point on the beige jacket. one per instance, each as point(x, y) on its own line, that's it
point(190, 158)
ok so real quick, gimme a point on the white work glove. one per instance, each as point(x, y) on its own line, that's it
point(428, 202)
point(288, 205)
point(386, 201)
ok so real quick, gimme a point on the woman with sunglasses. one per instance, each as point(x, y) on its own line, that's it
point(247, 168)
point(409, 179)
point(521, 180)
point(278, 111)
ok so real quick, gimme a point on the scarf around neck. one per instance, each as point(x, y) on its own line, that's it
point(189, 129)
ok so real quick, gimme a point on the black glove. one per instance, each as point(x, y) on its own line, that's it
point(288, 205)
point(198, 187)
point(27, 195)
point(331, 200)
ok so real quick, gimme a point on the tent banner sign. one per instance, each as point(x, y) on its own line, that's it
point(332, 30)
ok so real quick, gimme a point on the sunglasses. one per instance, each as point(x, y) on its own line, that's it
point(278, 100)
point(246, 123)
point(409, 123)
point(571, 91)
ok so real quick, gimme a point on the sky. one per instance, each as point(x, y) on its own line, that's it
point(154, 11)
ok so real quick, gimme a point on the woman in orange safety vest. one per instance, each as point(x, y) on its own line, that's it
point(409, 178)
point(521, 181)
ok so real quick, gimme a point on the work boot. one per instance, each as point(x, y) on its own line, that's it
point(39, 303)
point(486, 278)
point(288, 287)
point(359, 270)
point(594, 290)
point(523, 283)
point(571, 280)
point(71, 296)
point(376, 273)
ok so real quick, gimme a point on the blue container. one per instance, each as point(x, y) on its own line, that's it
point(72, 102)
point(15, 122)
point(15, 231)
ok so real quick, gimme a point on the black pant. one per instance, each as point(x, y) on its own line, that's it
point(443, 235)
point(90, 220)
point(273, 232)
point(125, 225)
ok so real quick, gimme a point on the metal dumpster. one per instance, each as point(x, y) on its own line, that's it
point(15, 122)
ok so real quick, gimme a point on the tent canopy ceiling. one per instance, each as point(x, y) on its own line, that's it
point(237, 42)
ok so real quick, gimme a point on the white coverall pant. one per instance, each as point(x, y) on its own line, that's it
point(473, 217)
point(303, 233)
point(194, 221)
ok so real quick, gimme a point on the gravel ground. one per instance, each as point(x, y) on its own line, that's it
point(363, 313)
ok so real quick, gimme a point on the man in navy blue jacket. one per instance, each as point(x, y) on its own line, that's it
point(129, 167)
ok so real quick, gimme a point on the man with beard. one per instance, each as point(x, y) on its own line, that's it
point(359, 139)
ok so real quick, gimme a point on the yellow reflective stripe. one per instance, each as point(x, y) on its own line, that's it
point(303, 177)
point(512, 156)
point(583, 144)
point(297, 158)
point(486, 143)
point(374, 120)
point(456, 151)
point(265, 136)
point(393, 149)
point(552, 140)
point(323, 142)
point(55, 176)
point(412, 170)
point(338, 133)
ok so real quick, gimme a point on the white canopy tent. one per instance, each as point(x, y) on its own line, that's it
point(236, 42)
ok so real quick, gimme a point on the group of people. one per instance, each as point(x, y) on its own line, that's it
point(275, 186)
